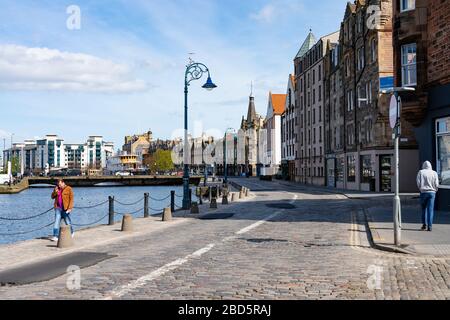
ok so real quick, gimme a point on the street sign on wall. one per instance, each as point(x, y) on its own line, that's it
point(386, 83)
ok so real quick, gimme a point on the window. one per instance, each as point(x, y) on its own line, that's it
point(443, 150)
point(349, 100)
point(340, 169)
point(406, 5)
point(373, 50)
point(360, 58)
point(320, 93)
point(367, 173)
point(347, 67)
point(369, 92)
point(409, 70)
point(351, 168)
point(320, 73)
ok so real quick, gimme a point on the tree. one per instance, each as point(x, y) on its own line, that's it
point(161, 160)
point(15, 165)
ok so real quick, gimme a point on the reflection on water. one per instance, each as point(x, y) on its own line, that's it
point(34, 201)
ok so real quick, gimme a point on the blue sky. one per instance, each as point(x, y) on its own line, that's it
point(122, 72)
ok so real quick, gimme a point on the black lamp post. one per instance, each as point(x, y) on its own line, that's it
point(194, 71)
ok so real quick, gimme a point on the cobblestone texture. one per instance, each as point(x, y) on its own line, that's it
point(319, 250)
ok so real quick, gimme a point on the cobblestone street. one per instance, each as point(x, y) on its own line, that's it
point(282, 244)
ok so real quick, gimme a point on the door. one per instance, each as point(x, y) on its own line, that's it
point(386, 173)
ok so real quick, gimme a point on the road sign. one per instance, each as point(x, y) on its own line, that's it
point(394, 111)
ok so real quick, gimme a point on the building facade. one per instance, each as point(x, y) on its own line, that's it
point(289, 129)
point(309, 78)
point(272, 126)
point(422, 60)
point(51, 153)
point(359, 142)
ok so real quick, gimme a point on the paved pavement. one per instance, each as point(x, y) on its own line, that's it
point(413, 240)
point(318, 249)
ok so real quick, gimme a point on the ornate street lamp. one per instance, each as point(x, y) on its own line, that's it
point(194, 71)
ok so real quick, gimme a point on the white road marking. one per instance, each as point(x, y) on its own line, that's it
point(132, 286)
point(121, 291)
point(257, 224)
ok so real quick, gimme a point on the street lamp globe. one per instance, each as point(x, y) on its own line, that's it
point(209, 85)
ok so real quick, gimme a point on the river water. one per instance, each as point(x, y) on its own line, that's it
point(35, 201)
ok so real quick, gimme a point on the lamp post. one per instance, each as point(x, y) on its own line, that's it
point(394, 115)
point(226, 154)
point(194, 71)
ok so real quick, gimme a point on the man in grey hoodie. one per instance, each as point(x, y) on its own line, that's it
point(428, 184)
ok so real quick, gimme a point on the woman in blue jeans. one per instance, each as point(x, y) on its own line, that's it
point(428, 184)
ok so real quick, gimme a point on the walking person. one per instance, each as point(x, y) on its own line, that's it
point(428, 184)
point(63, 196)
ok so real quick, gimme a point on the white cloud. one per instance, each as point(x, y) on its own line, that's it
point(23, 68)
point(277, 9)
point(266, 14)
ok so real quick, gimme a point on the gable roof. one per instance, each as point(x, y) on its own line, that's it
point(278, 103)
point(307, 44)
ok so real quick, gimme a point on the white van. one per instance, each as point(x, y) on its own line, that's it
point(4, 179)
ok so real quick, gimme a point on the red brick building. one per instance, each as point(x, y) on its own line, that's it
point(421, 41)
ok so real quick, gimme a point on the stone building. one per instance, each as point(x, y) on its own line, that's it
point(421, 41)
point(334, 116)
point(138, 145)
point(360, 149)
point(249, 137)
point(289, 129)
point(309, 78)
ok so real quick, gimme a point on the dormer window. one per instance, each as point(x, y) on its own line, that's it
point(407, 5)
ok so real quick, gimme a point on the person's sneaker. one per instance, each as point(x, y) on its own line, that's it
point(73, 235)
point(424, 227)
point(54, 239)
point(430, 229)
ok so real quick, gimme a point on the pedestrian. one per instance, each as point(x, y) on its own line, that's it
point(428, 184)
point(63, 195)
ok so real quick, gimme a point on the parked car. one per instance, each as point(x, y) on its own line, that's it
point(123, 174)
point(74, 173)
point(4, 179)
point(57, 173)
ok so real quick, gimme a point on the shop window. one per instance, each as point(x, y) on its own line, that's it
point(443, 150)
point(366, 169)
point(351, 168)
point(340, 169)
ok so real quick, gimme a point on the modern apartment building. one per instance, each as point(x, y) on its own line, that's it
point(51, 152)
point(309, 78)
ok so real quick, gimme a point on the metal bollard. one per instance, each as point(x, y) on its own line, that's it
point(210, 193)
point(213, 204)
point(247, 192)
point(172, 201)
point(233, 196)
point(224, 199)
point(194, 208)
point(111, 211)
point(146, 213)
